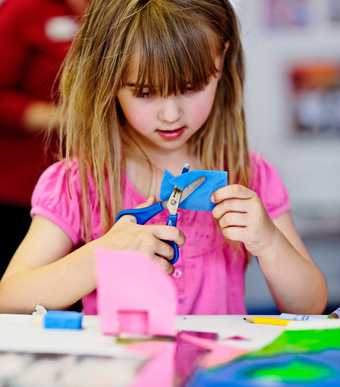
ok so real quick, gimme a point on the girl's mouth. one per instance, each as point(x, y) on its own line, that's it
point(171, 134)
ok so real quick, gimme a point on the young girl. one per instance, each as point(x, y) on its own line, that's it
point(149, 85)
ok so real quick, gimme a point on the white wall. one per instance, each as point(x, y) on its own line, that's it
point(309, 167)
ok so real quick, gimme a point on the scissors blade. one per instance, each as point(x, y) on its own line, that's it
point(191, 188)
point(174, 200)
point(178, 196)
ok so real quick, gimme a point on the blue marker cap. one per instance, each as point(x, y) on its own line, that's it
point(56, 319)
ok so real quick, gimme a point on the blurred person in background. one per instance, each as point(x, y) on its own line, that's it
point(34, 38)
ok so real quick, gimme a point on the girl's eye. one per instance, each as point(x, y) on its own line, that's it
point(189, 89)
point(145, 93)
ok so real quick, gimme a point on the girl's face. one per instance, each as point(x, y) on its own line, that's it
point(167, 123)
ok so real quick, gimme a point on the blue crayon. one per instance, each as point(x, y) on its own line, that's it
point(59, 319)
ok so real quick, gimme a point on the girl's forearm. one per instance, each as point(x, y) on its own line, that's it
point(57, 285)
point(295, 282)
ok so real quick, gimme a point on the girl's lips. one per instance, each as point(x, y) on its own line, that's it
point(171, 134)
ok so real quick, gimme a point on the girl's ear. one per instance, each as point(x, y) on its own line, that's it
point(226, 48)
point(222, 58)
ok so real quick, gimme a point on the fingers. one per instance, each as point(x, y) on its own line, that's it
point(233, 205)
point(160, 251)
point(235, 233)
point(127, 219)
point(151, 240)
point(234, 219)
point(131, 218)
point(164, 250)
point(154, 240)
point(149, 202)
point(165, 264)
point(234, 191)
point(230, 205)
point(168, 233)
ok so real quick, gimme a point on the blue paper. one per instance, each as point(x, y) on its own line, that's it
point(200, 199)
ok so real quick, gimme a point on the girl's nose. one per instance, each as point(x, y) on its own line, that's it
point(170, 110)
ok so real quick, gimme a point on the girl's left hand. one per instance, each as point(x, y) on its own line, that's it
point(243, 218)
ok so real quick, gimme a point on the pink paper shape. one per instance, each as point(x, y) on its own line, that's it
point(135, 295)
point(160, 368)
point(218, 354)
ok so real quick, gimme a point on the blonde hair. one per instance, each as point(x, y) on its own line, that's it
point(173, 40)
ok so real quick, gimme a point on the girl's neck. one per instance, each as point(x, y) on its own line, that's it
point(145, 165)
point(143, 152)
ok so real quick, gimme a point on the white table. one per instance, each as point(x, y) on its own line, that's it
point(25, 334)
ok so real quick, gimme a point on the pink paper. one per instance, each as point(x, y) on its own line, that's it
point(160, 369)
point(135, 295)
point(217, 353)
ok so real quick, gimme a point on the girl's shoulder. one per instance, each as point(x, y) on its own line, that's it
point(267, 183)
point(62, 177)
point(56, 197)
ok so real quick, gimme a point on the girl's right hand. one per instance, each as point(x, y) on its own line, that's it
point(126, 234)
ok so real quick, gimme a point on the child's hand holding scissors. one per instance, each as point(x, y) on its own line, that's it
point(126, 234)
point(243, 218)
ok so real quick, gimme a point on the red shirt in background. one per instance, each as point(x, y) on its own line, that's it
point(34, 38)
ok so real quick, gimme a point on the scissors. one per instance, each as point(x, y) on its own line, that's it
point(177, 196)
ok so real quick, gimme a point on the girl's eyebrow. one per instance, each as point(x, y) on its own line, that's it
point(130, 84)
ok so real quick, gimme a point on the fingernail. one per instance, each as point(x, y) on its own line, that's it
point(213, 199)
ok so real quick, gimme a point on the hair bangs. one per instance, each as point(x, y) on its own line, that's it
point(173, 55)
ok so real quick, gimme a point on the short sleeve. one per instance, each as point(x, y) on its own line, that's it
point(265, 181)
point(56, 197)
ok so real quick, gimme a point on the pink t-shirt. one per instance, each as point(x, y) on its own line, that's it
point(209, 276)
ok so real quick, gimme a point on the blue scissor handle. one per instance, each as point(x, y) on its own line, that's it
point(142, 215)
point(172, 221)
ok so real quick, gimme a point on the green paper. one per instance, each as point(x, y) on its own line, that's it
point(294, 372)
point(300, 341)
